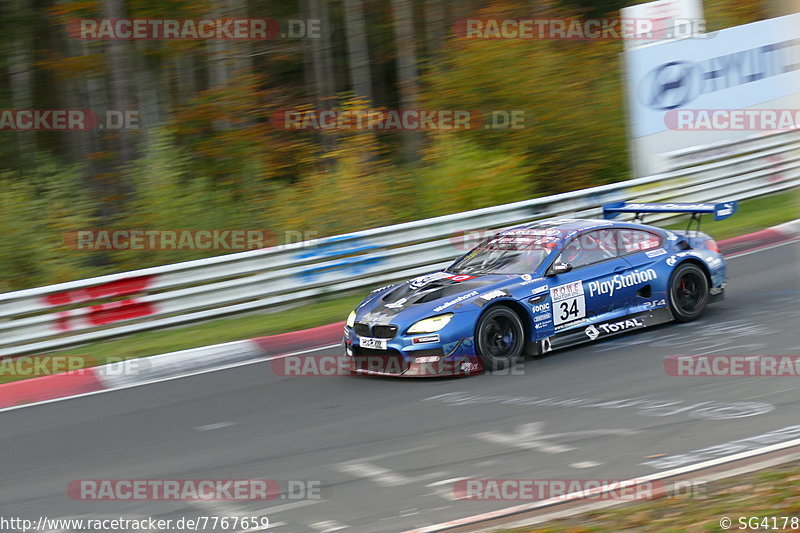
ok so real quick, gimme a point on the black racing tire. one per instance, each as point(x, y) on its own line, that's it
point(688, 292)
point(499, 338)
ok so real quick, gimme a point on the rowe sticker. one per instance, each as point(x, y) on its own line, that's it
point(569, 302)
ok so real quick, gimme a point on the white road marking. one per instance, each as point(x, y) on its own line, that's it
point(445, 481)
point(529, 437)
point(285, 507)
point(585, 464)
point(328, 526)
point(384, 476)
point(218, 425)
point(218, 508)
point(394, 453)
point(445, 492)
point(378, 474)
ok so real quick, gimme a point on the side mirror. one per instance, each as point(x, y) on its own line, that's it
point(560, 268)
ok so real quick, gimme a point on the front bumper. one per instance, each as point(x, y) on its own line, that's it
point(402, 357)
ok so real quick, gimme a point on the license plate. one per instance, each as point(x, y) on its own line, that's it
point(375, 344)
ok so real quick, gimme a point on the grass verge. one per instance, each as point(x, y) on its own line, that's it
point(769, 493)
point(753, 215)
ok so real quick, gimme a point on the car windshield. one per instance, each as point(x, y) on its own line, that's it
point(505, 254)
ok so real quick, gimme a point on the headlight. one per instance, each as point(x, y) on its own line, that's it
point(431, 325)
point(351, 319)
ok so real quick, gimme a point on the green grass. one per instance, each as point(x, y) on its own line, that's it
point(775, 492)
point(753, 215)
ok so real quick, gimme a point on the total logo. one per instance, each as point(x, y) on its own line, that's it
point(612, 327)
point(620, 281)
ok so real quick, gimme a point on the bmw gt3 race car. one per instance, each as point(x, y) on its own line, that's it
point(538, 287)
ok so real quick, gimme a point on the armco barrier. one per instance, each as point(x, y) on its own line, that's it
point(54, 316)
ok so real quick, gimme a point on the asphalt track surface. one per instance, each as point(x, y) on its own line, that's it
point(388, 449)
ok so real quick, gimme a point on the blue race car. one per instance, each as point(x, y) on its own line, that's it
point(538, 287)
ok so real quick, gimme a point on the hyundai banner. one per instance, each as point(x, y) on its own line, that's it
point(745, 67)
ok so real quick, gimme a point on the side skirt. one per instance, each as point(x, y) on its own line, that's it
point(602, 330)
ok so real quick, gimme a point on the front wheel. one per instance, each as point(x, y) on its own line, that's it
point(499, 337)
point(688, 292)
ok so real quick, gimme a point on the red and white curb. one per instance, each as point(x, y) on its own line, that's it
point(761, 239)
point(208, 358)
point(155, 368)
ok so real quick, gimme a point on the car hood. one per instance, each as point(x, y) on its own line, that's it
point(431, 294)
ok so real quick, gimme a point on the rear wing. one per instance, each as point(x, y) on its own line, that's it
point(720, 211)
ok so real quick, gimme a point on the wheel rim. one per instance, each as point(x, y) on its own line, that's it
point(499, 337)
point(689, 292)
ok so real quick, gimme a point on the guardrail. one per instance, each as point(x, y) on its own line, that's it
point(46, 318)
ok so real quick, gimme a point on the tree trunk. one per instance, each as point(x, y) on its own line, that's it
point(20, 73)
point(186, 77)
point(322, 55)
point(322, 59)
point(407, 76)
point(219, 70)
point(243, 60)
point(122, 87)
point(434, 26)
point(150, 93)
point(360, 75)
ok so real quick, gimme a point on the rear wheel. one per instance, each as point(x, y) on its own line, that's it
point(499, 338)
point(688, 292)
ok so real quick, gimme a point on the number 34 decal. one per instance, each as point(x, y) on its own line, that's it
point(569, 302)
point(569, 310)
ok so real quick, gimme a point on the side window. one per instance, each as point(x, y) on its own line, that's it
point(588, 248)
point(632, 241)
